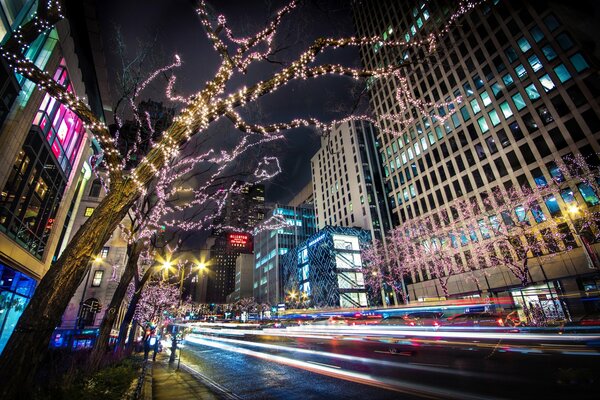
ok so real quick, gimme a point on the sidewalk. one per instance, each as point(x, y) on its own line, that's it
point(168, 383)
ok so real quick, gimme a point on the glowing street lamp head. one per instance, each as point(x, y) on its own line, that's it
point(201, 266)
point(573, 209)
point(98, 259)
point(167, 265)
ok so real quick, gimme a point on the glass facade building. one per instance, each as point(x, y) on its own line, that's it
point(515, 87)
point(347, 180)
point(326, 269)
point(270, 245)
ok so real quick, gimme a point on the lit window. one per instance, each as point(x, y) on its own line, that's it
point(104, 252)
point(483, 125)
point(475, 106)
point(494, 117)
point(508, 80)
point(521, 71)
point(439, 133)
point(549, 52)
point(511, 54)
point(547, 83)
point(552, 205)
point(456, 120)
point(88, 211)
point(538, 214)
point(97, 281)
point(562, 73)
point(417, 149)
point(532, 92)
point(497, 90)
point(485, 97)
point(519, 102)
point(564, 41)
point(412, 190)
point(536, 33)
point(535, 63)
point(468, 89)
point(465, 114)
point(523, 44)
point(579, 62)
point(431, 138)
point(506, 111)
point(588, 194)
point(567, 195)
point(424, 143)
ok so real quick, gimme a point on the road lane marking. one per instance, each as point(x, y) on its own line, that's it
point(325, 365)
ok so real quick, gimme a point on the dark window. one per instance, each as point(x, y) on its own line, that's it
point(95, 188)
point(477, 177)
point(457, 188)
point(500, 167)
point(450, 167)
point(503, 138)
point(448, 192)
point(557, 138)
point(592, 120)
point(527, 154)
point(467, 183)
point(541, 146)
point(560, 106)
point(480, 152)
point(530, 123)
point(516, 131)
point(469, 157)
point(489, 174)
point(574, 130)
point(459, 163)
point(513, 160)
point(576, 96)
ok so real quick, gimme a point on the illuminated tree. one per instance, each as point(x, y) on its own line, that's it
point(27, 345)
point(156, 299)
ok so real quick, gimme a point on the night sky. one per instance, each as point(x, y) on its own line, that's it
point(177, 29)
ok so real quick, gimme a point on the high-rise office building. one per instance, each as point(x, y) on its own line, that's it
point(528, 86)
point(244, 274)
point(241, 213)
point(347, 180)
point(271, 244)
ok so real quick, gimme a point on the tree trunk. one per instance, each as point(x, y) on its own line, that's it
point(29, 342)
point(137, 295)
point(101, 345)
point(127, 319)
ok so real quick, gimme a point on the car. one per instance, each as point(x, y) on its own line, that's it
point(591, 319)
point(421, 318)
point(476, 319)
point(334, 320)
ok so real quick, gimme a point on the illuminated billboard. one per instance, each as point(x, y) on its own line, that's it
point(239, 242)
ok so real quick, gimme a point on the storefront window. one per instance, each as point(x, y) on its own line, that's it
point(16, 289)
point(30, 199)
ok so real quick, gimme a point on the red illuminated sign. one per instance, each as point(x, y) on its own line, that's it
point(240, 241)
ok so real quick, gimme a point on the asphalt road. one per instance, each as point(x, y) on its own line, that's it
point(321, 367)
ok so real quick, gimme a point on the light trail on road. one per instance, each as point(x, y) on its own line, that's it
point(401, 386)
